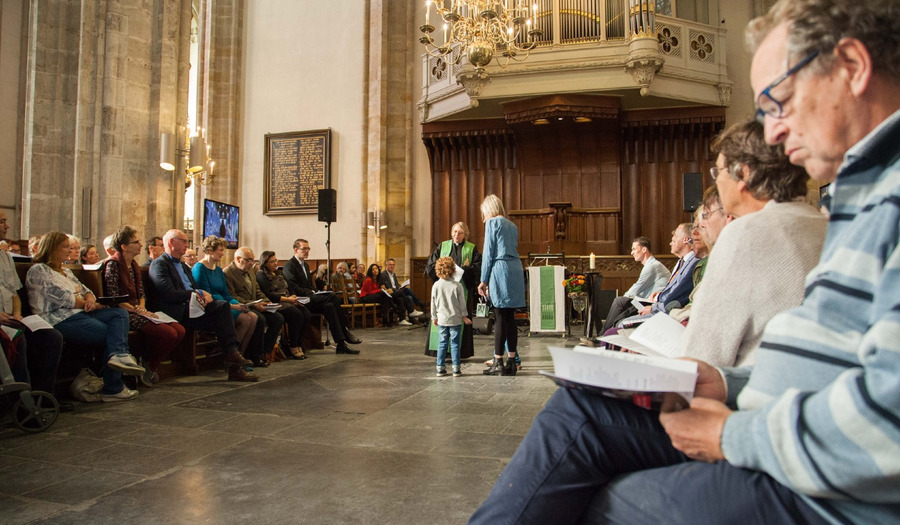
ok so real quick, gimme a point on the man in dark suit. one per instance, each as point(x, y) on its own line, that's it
point(301, 283)
point(173, 287)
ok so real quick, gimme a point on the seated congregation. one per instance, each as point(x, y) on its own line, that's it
point(121, 318)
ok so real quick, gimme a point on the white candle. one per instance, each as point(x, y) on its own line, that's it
point(427, 6)
point(593, 261)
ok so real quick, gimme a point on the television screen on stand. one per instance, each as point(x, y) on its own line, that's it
point(221, 220)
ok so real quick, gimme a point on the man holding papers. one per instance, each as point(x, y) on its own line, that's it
point(810, 434)
point(174, 290)
point(242, 285)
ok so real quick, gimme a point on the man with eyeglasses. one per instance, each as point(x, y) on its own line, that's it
point(810, 433)
point(174, 290)
point(302, 284)
point(242, 285)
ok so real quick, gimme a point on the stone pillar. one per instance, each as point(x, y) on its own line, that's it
point(221, 78)
point(390, 123)
point(105, 78)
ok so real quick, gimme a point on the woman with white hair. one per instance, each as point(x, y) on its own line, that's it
point(502, 281)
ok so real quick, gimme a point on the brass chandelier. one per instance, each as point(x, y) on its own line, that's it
point(483, 30)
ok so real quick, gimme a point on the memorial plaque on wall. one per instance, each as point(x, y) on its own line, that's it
point(297, 166)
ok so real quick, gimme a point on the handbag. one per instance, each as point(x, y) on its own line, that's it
point(86, 386)
point(482, 309)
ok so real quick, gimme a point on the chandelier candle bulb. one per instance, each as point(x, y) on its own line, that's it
point(427, 9)
point(593, 261)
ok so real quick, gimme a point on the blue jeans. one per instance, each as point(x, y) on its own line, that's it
point(592, 459)
point(453, 336)
point(109, 327)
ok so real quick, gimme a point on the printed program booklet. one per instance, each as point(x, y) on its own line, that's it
point(640, 379)
point(659, 336)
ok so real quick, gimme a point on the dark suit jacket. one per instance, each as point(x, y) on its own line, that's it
point(298, 283)
point(168, 293)
point(385, 280)
point(677, 293)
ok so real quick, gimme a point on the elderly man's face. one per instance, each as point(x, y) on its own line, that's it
point(677, 243)
point(816, 112)
point(390, 266)
point(245, 262)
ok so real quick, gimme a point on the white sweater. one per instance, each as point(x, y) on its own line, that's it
point(755, 271)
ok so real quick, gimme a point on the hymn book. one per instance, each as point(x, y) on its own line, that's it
point(641, 379)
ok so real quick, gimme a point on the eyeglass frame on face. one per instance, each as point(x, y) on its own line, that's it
point(705, 215)
point(778, 110)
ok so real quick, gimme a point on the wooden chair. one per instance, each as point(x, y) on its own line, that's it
point(356, 309)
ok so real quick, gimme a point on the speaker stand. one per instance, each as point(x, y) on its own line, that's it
point(328, 255)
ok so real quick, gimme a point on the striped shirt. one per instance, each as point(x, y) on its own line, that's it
point(820, 410)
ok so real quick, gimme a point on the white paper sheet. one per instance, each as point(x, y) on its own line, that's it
point(196, 309)
point(623, 371)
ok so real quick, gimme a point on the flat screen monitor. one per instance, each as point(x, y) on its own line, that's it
point(221, 220)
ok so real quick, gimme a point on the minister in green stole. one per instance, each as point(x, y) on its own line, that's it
point(467, 257)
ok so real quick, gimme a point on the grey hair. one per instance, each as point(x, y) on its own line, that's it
point(819, 25)
point(463, 227)
point(492, 207)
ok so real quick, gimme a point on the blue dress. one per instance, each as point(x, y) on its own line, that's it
point(213, 281)
point(500, 264)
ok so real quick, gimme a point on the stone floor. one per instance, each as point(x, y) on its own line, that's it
point(374, 438)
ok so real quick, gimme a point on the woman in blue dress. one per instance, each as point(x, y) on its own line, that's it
point(210, 277)
point(502, 280)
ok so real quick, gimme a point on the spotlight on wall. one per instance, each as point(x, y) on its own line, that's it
point(194, 156)
point(376, 221)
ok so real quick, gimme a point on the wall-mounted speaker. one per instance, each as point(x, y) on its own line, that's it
point(327, 205)
point(692, 191)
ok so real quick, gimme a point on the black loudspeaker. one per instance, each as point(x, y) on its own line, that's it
point(328, 205)
point(692, 190)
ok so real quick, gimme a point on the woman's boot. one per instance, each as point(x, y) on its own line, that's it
point(510, 369)
point(496, 368)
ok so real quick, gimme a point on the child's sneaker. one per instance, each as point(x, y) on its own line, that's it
point(456, 371)
point(441, 372)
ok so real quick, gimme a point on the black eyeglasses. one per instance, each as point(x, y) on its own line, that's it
point(767, 104)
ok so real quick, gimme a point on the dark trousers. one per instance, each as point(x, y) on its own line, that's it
point(297, 320)
point(38, 359)
point(217, 318)
point(592, 459)
point(329, 306)
point(620, 309)
point(268, 326)
point(506, 335)
point(384, 302)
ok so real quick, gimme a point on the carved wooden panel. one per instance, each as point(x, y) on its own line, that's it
point(619, 174)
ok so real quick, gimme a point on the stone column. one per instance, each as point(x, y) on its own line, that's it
point(105, 78)
point(221, 78)
point(390, 122)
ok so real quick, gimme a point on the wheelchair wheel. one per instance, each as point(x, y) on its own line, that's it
point(41, 417)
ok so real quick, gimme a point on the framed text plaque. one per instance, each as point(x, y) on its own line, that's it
point(297, 166)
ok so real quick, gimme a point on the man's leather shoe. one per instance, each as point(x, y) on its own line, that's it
point(350, 338)
point(344, 349)
point(236, 360)
point(239, 374)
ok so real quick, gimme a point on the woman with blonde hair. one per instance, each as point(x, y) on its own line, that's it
point(502, 281)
